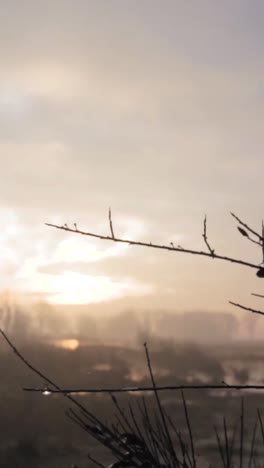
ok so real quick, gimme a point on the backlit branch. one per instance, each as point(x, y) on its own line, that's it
point(244, 230)
point(171, 247)
point(68, 391)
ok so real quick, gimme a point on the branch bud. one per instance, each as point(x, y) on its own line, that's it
point(242, 231)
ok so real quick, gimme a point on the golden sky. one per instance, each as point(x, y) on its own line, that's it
point(152, 107)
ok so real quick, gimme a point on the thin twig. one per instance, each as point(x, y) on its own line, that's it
point(212, 252)
point(254, 311)
point(247, 227)
point(111, 224)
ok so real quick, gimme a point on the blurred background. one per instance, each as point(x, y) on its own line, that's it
point(155, 109)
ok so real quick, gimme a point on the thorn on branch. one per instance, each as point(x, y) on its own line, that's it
point(111, 224)
point(75, 227)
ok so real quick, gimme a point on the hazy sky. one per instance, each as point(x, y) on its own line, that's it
point(152, 107)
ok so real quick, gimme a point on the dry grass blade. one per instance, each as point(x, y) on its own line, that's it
point(241, 446)
point(163, 442)
point(183, 445)
point(220, 448)
point(97, 463)
point(140, 435)
point(232, 443)
point(104, 436)
point(189, 429)
point(261, 425)
point(149, 428)
point(175, 461)
point(226, 444)
point(252, 447)
point(122, 414)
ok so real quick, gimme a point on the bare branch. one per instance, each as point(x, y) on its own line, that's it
point(212, 252)
point(258, 295)
point(68, 391)
point(254, 311)
point(156, 246)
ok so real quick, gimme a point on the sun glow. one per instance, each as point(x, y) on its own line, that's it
point(70, 344)
point(76, 288)
point(54, 274)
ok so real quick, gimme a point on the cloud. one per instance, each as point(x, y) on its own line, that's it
point(155, 111)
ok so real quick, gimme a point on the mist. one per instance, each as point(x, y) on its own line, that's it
point(105, 324)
